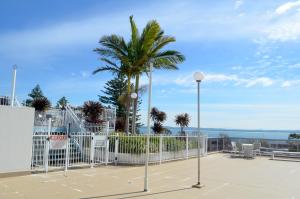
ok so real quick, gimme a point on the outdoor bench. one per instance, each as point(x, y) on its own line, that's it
point(285, 153)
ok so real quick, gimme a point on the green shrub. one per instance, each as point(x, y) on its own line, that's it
point(137, 144)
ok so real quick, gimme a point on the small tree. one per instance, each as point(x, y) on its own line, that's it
point(41, 104)
point(294, 142)
point(182, 120)
point(158, 117)
point(35, 93)
point(62, 102)
point(92, 111)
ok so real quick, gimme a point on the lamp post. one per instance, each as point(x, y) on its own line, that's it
point(13, 88)
point(148, 127)
point(198, 76)
point(133, 97)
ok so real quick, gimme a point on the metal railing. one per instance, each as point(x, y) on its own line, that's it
point(267, 145)
point(6, 101)
point(62, 118)
point(57, 150)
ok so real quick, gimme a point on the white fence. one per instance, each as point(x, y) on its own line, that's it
point(59, 151)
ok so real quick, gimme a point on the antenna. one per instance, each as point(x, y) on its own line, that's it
point(13, 88)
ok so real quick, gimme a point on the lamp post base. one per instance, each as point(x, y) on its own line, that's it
point(198, 186)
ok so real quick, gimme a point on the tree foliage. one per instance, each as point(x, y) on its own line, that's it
point(92, 111)
point(114, 93)
point(294, 136)
point(158, 117)
point(36, 92)
point(40, 103)
point(132, 58)
point(62, 102)
point(182, 120)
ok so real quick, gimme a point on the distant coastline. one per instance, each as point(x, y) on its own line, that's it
point(238, 133)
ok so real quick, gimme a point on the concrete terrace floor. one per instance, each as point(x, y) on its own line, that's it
point(223, 177)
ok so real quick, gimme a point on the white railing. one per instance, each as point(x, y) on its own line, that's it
point(130, 149)
point(59, 151)
point(6, 101)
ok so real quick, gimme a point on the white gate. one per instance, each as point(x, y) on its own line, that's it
point(99, 149)
point(59, 151)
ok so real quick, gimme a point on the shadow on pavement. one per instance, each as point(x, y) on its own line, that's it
point(139, 194)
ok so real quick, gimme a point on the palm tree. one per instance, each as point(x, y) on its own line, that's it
point(158, 118)
point(147, 47)
point(182, 120)
point(114, 49)
point(133, 58)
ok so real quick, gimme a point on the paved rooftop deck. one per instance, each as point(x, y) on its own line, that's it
point(223, 177)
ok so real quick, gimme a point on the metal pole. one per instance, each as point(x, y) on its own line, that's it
point(13, 88)
point(67, 149)
point(148, 126)
point(198, 185)
point(46, 154)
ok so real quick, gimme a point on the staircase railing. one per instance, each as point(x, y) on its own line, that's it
point(70, 112)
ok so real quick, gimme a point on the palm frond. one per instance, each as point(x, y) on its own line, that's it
point(150, 33)
point(162, 42)
point(134, 32)
point(115, 43)
point(106, 68)
point(109, 62)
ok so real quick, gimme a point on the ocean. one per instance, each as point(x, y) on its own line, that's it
point(237, 133)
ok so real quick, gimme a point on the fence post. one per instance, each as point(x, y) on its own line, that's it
point(217, 144)
point(67, 149)
point(205, 145)
point(92, 151)
point(106, 150)
point(116, 148)
point(46, 152)
point(107, 128)
point(160, 148)
point(187, 146)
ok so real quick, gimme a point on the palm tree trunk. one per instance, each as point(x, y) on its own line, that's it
point(137, 81)
point(128, 105)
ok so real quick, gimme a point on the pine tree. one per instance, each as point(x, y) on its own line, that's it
point(62, 102)
point(113, 90)
point(35, 93)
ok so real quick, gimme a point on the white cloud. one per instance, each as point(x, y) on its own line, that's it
point(85, 74)
point(263, 81)
point(290, 83)
point(286, 7)
point(238, 4)
point(294, 66)
point(220, 77)
point(284, 30)
point(223, 78)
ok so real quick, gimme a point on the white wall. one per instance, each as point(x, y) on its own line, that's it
point(16, 127)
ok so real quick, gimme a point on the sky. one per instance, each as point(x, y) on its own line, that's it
point(247, 49)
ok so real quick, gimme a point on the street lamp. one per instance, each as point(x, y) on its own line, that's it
point(148, 128)
point(198, 76)
point(133, 97)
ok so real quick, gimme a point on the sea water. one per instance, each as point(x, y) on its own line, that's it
point(238, 133)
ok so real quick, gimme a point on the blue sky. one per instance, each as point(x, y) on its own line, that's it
point(248, 50)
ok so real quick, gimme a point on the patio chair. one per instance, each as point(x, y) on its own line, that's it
point(234, 148)
point(248, 151)
point(256, 148)
point(240, 148)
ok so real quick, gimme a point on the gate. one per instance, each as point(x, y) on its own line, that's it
point(57, 150)
point(99, 149)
